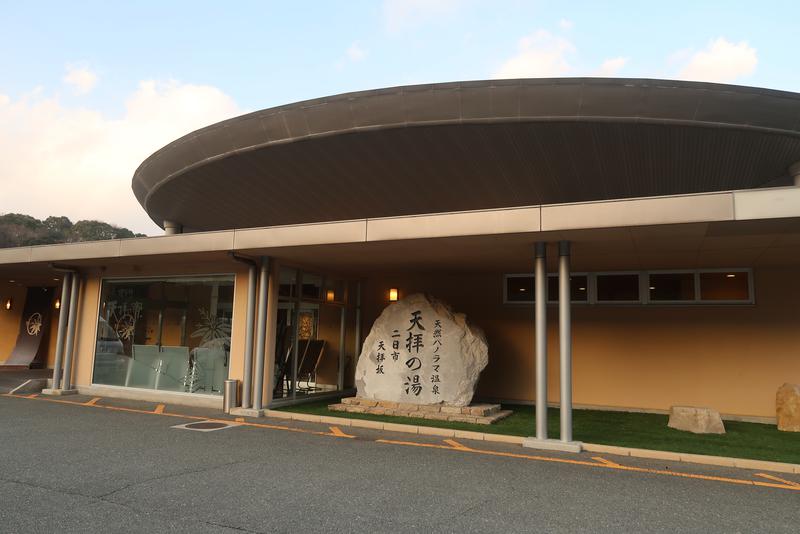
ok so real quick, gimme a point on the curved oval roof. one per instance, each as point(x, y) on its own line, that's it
point(471, 145)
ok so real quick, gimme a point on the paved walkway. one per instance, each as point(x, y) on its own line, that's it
point(11, 379)
point(83, 464)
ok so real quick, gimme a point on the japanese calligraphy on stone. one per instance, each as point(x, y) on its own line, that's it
point(420, 352)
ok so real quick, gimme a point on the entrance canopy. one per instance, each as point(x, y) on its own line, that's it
point(732, 229)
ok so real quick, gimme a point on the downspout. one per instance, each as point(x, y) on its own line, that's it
point(247, 373)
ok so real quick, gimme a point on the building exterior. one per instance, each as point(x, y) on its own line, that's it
point(662, 219)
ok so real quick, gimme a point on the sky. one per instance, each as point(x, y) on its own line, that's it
point(88, 89)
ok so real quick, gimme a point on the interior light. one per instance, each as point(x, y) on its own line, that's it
point(330, 296)
point(12, 281)
point(393, 295)
point(730, 275)
point(57, 303)
point(8, 303)
point(56, 279)
point(652, 288)
point(581, 289)
point(522, 289)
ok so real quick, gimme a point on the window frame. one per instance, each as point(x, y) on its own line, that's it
point(155, 278)
point(644, 288)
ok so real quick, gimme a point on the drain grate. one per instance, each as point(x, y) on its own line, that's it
point(206, 426)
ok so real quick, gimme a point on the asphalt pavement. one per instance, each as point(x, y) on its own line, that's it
point(94, 468)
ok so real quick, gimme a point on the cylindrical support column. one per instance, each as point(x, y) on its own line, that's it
point(342, 333)
point(247, 373)
point(70, 342)
point(272, 329)
point(261, 334)
point(172, 228)
point(794, 172)
point(358, 321)
point(565, 339)
point(63, 315)
point(540, 299)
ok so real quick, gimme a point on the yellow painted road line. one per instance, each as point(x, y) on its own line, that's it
point(92, 402)
point(336, 431)
point(159, 409)
point(180, 416)
point(452, 445)
point(778, 479)
point(456, 445)
point(239, 419)
point(604, 461)
point(602, 465)
point(32, 396)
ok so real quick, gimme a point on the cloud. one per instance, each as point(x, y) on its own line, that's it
point(356, 53)
point(610, 67)
point(539, 55)
point(721, 61)
point(78, 162)
point(565, 24)
point(406, 14)
point(80, 78)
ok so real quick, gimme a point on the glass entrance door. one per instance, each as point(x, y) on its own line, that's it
point(310, 335)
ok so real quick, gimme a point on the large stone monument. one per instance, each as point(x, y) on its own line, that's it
point(420, 357)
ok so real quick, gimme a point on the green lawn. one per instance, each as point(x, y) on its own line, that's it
point(640, 430)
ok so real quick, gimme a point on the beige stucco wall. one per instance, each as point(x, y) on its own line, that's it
point(732, 358)
point(9, 319)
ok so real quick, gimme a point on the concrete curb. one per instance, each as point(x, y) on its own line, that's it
point(702, 459)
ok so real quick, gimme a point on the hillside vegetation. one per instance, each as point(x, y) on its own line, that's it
point(18, 230)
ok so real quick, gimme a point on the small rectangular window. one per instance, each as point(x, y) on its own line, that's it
point(519, 289)
point(671, 287)
point(578, 288)
point(312, 286)
point(618, 287)
point(726, 285)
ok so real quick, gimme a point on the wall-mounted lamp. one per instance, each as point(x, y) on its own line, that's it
point(57, 303)
point(8, 303)
point(330, 296)
point(393, 295)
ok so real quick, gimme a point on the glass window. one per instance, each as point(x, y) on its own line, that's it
point(519, 289)
point(309, 342)
point(671, 286)
point(170, 334)
point(730, 285)
point(618, 287)
point(288, 283)
point(578, 288)
point(284, 351)
point(312, 286)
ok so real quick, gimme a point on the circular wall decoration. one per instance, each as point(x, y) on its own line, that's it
point(34, 324)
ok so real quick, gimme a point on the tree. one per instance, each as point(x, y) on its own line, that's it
point(18, 230)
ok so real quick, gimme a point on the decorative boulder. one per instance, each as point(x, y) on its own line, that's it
point(420, 352)
point(696, 420)
point(787, 407)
